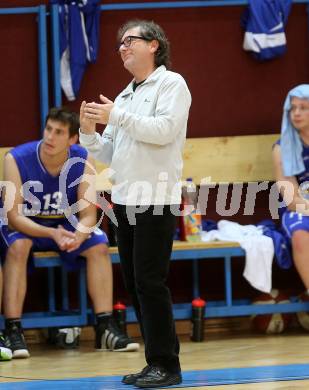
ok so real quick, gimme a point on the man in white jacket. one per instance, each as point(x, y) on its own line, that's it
point(143, 143)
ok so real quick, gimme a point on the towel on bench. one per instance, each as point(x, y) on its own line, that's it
point(258, 247)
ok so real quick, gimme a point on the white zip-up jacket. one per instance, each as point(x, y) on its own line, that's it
point(144, 140)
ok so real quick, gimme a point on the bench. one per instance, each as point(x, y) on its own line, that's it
point(64, 315)
point(222, 160)
point(215, 160)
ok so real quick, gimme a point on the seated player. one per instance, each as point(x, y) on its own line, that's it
point(51, 178)
point(291, 166)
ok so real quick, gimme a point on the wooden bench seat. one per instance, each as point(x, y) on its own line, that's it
point(195, 252)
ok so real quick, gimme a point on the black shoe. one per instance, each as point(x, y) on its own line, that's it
point(65, 338)
point(17, 342)
point(130, 379)
point(158, 377)
point(109, 337)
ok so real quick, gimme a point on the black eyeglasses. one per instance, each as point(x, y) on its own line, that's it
point(128, 40)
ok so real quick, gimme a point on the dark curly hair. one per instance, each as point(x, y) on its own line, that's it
point(150, 31)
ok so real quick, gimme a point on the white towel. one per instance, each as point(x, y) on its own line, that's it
point(259, 250)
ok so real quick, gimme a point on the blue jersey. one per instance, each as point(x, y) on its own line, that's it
point(264, 23)
point(304, 176)
point(292, 221)
point(45, 198)
point(79, 23)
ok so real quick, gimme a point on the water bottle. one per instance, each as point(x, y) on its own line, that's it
point(191, 220)
point(198, 312)
point(119, 314)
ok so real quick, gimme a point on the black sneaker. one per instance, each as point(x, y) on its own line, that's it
point(109, 337)
point(66, 338)
point(158, 377)
point(17, 342)
point(130, 379)
point(5, 351)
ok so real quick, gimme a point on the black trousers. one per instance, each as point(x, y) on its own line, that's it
point(145, 249)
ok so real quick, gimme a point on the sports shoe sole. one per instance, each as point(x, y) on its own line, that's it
point(130, 379)
point(5, 354)
point(170, 382)
point(21, 354)
point(129, 348)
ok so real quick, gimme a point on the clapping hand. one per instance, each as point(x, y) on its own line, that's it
point(87, 125)
point(98, 113)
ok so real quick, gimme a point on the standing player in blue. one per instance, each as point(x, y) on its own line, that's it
point(41, 223)
point(291, 165)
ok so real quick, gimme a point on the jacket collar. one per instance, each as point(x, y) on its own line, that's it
point(153, 77)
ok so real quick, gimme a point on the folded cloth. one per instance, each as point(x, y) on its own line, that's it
point(259, 250)
point(291, 144)
point(209, 224)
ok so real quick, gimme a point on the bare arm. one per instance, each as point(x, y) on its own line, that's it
point(288, 186)
point(16, 219)
point(87, 201)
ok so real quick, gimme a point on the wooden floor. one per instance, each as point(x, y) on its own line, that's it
point(216, 352)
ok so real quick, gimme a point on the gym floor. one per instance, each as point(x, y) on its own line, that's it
point(246, 361)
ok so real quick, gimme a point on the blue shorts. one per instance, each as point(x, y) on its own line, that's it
point(292, 221)
point(8, 237)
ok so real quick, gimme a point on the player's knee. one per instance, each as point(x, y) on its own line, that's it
point(300, 241)
point(98, 251)
point(103, 250)
point(20, 249)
